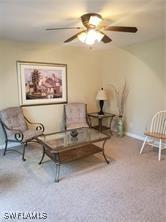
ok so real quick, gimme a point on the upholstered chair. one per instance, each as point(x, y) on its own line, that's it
point(17, 128)
point(75, 116)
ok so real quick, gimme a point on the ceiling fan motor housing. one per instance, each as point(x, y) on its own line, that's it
point(86, 17)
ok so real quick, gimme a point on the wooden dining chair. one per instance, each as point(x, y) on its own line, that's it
point(157, 132)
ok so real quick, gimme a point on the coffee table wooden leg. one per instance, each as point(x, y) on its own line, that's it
point(57, 162)
point(107, 161)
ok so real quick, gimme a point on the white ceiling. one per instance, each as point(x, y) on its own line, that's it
point(26, 20)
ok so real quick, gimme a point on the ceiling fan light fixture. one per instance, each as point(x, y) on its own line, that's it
point(99, 36)
point(94, 20)
point(89, 37)
point(82, 37)
point(94, 31)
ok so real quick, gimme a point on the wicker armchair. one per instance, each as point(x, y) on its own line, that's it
point(17, 128)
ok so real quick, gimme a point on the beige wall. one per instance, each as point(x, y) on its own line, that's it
point(165, 48)
point(82, 73)
point(142, 66)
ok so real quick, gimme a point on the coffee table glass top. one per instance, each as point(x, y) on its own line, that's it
point(60, 141)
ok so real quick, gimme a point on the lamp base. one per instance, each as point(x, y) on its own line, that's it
point(101, 102)
point(101, 113)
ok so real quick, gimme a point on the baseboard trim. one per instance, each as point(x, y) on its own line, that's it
point(135, 136)
point(10, 145)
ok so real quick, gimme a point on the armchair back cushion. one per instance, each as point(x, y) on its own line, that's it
point(75, 115)
point(13, 118)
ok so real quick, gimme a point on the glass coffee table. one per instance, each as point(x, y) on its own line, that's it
point(61, 147)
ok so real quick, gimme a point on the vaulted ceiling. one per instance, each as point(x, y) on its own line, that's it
point(26, 20)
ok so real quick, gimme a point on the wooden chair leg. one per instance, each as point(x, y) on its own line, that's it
point(160, 144)
point(143, 145)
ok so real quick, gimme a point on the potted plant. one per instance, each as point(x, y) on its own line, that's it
point(121, 97)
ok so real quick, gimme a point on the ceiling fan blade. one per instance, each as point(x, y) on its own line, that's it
point(106, 39)
point(73, 37)
point(121, 29)
point(62, 28)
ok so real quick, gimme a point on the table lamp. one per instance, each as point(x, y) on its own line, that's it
point(101, 96)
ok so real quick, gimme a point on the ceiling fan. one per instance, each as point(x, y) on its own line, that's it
point(93, 29)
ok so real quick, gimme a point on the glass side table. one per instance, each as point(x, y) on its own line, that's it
point(100, 119)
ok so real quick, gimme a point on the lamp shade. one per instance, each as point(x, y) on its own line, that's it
point(101, 95)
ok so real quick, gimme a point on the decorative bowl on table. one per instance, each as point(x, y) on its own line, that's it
point(74, 133)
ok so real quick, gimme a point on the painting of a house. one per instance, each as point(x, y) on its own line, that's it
point(42, 83)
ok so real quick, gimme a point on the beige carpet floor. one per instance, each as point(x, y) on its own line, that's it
point(132, 188)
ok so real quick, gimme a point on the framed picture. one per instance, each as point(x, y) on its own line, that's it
point(42, 83)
